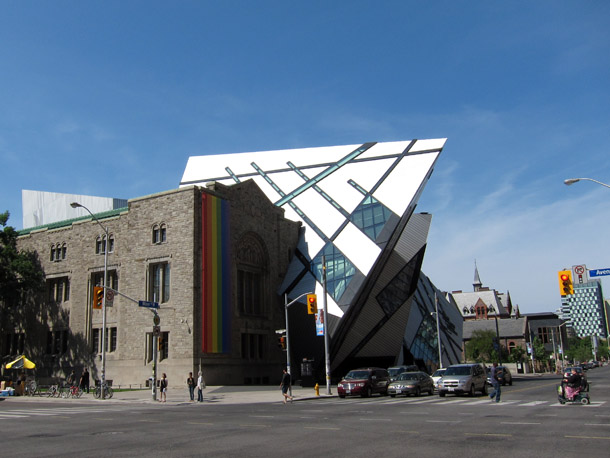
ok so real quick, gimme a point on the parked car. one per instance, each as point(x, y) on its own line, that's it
point(409, 383)
point(364, 382)
point(395, 371)
point(507, 377)
point(463, 378)
point(438, 374)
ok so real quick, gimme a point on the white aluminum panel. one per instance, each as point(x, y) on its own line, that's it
point(331, 306)
point(428, 144)
point(326, 217)
point(324, 155)
point(365, 174)
point(386, 148)
point(359, 249)
point(399, 189)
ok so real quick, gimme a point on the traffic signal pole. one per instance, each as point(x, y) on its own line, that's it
point(286, 305)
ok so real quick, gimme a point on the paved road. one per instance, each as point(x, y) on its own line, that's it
point(529, 422)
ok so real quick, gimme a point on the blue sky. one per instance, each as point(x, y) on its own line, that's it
point(110, 98)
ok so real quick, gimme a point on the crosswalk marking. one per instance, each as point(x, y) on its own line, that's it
point(437, 401)
point(24, 413)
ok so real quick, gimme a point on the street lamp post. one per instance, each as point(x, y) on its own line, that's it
point(105, 245)
point(571, 181)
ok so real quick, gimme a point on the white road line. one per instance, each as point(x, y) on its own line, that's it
point(517, 423)
point(533, 403)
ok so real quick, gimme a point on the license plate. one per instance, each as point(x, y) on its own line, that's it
point(348, 391)
point(399, 391)
point(450, 389)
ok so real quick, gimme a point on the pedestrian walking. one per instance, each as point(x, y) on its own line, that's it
point(495, 376)
point(200, 387)
point(71, 381)
point(84, 381)
point(286, 385)
point(190, 381)
point(163, 388)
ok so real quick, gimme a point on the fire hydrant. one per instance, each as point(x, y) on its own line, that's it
point(317, 388)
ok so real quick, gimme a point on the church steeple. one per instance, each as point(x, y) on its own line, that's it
point(477, 280)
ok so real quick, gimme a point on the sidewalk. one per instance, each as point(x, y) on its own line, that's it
point(225, 395)
point(250, 394)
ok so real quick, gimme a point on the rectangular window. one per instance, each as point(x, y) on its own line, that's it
point(253, 346)
point(249, 292)
point(58, 289)
point(95, 341)
point(57, 342)
point(159, 288)
point(163, 343)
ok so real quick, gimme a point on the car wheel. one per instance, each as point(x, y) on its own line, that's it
point(392, 395)
point(367, 393)
point(341, 396)
point(471, 393)
point(584, 401)
point(417, 392)
point(484, 390)
point(441, 394)
point(510, 382)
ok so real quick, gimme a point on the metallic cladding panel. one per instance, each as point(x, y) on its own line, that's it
point(414, 236)
point(388, 339)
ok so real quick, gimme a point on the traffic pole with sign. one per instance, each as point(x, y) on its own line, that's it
point(155, 343)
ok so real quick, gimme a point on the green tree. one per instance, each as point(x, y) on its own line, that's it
point(517, 355)
point(480, 348)
point(579, 349)
point(22, 286)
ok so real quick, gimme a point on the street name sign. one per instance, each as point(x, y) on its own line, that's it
point(599, 272)
point(148, 304)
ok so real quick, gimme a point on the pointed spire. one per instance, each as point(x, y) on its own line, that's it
point(477, 280)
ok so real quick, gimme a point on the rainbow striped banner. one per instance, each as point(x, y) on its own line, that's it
point(215, 275)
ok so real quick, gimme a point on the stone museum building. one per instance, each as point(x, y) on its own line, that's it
point(244, 235)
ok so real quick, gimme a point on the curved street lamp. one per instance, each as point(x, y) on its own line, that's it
point(571, 181)
point(105, 245)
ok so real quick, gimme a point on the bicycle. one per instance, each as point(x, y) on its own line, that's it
point(73, 391)
point(31, 388)
point(97, 391)
point(53, 391)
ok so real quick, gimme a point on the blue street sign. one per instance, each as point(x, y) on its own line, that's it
point(599, 272)
point(148, 304)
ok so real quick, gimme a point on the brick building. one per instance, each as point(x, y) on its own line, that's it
point(213, 258)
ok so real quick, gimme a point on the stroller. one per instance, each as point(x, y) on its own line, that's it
point(581, 395)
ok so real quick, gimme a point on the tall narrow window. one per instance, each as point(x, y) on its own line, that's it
point(159, 282)
point(95, 341)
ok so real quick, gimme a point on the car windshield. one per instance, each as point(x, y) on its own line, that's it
point(458, 370)
point(439, 373)
point(356, 375)
point(408, 376)
point(395, 371)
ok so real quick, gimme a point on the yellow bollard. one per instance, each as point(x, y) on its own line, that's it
point(317, 388)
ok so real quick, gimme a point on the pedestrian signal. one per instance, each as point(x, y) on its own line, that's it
point(566, 287)
point(98, 297)
point(312, 304)
point(281, 342)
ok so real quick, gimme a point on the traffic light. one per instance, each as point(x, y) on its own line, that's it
point(98, 297)
point(160, 343)
point(566, 286)
point(312, 304)
point(281, 342)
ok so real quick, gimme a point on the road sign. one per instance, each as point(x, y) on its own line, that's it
point(156, 331)
point(599, 272)
point(156, 319)
point(109, 297)
point(148, 304)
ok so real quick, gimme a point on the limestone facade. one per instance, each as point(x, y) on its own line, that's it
point(155, 254)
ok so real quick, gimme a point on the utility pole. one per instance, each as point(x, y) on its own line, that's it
point(326, 341)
